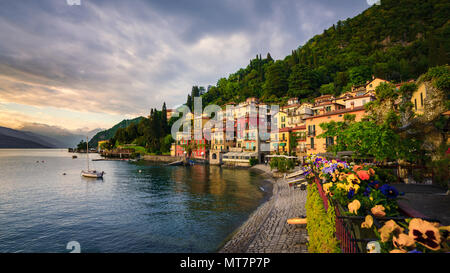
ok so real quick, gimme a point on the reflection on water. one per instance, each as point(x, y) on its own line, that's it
point(140, 207)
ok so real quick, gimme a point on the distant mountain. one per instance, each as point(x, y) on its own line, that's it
point(107, 134)
point(10, 138)
point(61, 137)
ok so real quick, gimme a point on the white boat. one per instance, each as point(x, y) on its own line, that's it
point(294, 174)
point(90, 173)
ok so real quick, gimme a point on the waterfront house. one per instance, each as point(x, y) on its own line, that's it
point(319, 145)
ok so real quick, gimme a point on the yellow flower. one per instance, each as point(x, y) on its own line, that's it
point(354, 206)
point(378, 211)
point(425, 233)
point(403, 240)
point(371, 198)
point(342, 176)
point(353, 179)
point(326, 187)
point(388, 228)
point(368, 222)
point(341, 186)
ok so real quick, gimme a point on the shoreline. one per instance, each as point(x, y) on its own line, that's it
point(266, 230)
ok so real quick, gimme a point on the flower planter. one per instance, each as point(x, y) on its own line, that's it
point(356, 238)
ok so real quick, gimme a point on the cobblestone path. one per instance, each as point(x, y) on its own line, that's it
point(266, 231)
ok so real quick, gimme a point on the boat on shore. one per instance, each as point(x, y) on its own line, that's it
point(294, 174)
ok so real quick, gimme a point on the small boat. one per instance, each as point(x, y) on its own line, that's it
point(90, 173)
point(176, 163)
point(300, 179)
point(294, 174)
point(74, 156)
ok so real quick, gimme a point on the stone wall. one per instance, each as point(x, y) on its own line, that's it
point(162, 158)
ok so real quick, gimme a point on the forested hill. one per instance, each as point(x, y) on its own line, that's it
point(107, 134)
point(397, 40)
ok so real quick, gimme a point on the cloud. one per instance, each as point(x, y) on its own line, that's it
point(125, 57)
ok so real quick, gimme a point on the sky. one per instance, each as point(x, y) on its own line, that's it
point(91, 65)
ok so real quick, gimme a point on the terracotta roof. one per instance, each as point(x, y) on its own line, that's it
point(446, 113)
point(285, 129)
point(358, 97)
point(301, 127)
point(337, 112)
point(290, 106)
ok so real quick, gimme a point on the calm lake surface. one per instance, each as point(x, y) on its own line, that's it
point(160, 209)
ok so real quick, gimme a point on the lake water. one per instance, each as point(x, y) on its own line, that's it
point(160, 209)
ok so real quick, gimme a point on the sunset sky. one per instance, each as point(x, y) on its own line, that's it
point(92, 65)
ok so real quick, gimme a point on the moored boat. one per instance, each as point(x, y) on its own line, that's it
point(90, 173)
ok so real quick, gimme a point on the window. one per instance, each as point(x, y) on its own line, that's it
point(312, 143)
point(421, 100)
point(415, 104)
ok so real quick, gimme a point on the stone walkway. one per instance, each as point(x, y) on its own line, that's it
point(266, 231)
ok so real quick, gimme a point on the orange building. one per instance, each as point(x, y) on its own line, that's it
point(319, 145)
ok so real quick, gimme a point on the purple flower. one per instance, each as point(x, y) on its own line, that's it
point(389, 191)
point(367, 191)
point(351, 193)
point(414, 251)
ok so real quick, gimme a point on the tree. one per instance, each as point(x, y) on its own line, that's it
point(359, 74)
point(276, 80)
point(302, 81)
point(81, 146)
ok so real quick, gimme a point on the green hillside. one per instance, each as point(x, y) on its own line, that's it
point(107, 134)
point(397, 40)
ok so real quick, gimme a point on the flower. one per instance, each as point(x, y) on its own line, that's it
point(425, 233)
point(378, 211)
point(350, 193)
point(368, 222)
point(389, 191)
point(371, 172)
point(354, 206)
point(403, 240)
point(353, 179)
point(363, 175)
point(375, 184)
point(326, 187)
point(342, 176)
point(388, 228)
point(356, 168)
point(398, 251)
point(367, 191)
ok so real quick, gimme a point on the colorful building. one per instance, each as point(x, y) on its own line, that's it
point(320, 145)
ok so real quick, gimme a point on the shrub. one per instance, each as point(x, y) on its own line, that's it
point(253, 161)
point(321, 224)
point(282, 164)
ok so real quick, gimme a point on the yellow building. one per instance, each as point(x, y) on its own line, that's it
point(319, 145)
point(372, 85)
point(100, 143)
point(418, 98)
